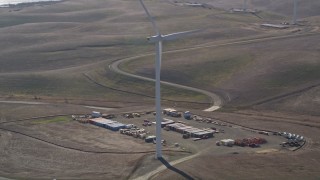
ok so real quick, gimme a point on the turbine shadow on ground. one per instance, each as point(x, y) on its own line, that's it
point(168, 165)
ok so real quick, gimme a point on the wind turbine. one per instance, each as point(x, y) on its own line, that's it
point(294, 18)
point(158, 39)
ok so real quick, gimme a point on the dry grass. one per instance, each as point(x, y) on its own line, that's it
point(283, 164)
point(250, 72)
point(306, 8)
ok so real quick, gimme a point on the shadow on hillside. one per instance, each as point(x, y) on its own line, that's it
point(167, 164)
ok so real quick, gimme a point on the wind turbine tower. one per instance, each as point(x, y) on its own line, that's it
point(158, 39)
point(244, 5)
point(294, 18)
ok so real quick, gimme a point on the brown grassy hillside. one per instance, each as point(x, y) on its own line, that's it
point(285, 7)
point(47, 50)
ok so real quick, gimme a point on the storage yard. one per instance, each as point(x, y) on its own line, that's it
point(126, 140)
point(189, 132)
point(88, 142)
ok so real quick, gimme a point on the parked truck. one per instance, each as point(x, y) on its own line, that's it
point(187, 115)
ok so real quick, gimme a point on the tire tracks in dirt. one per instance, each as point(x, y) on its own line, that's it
point(154, 173)
point(138, 94)
point(87, 151)
point(273, 119)
point(72, 148)
point(282, 96)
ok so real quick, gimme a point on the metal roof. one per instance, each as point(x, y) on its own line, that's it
point(102, 120)
point(107, 122)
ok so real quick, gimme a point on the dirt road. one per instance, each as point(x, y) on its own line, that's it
point(217, 101)
point(163, 167)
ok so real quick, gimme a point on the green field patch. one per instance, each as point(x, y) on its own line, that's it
point(271, 15)
point(13, 20)
point(220, 70)
point(205, 69)
point(52, 120)
point(137, 86)
point(294, 76)
point(59, 86)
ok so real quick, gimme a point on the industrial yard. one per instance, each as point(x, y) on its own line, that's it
point(49, 144)
point(183, 132)
point(80, 141)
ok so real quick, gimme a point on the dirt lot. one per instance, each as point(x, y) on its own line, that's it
point(232, 132)
point(301, 164)
point(49, 148)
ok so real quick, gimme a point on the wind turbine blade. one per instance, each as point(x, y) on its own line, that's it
point(150, 18)
point(178, 35)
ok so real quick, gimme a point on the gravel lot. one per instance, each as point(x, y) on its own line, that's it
point(68, 149)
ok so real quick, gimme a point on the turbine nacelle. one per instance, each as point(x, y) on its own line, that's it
point(170, 37)
point(154, 39)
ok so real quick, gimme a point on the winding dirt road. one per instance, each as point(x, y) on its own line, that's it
point(216, 100)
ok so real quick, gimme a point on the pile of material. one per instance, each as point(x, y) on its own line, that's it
point(134, 132)
point(171, 112)
point(81, 118)
point(251, 142)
